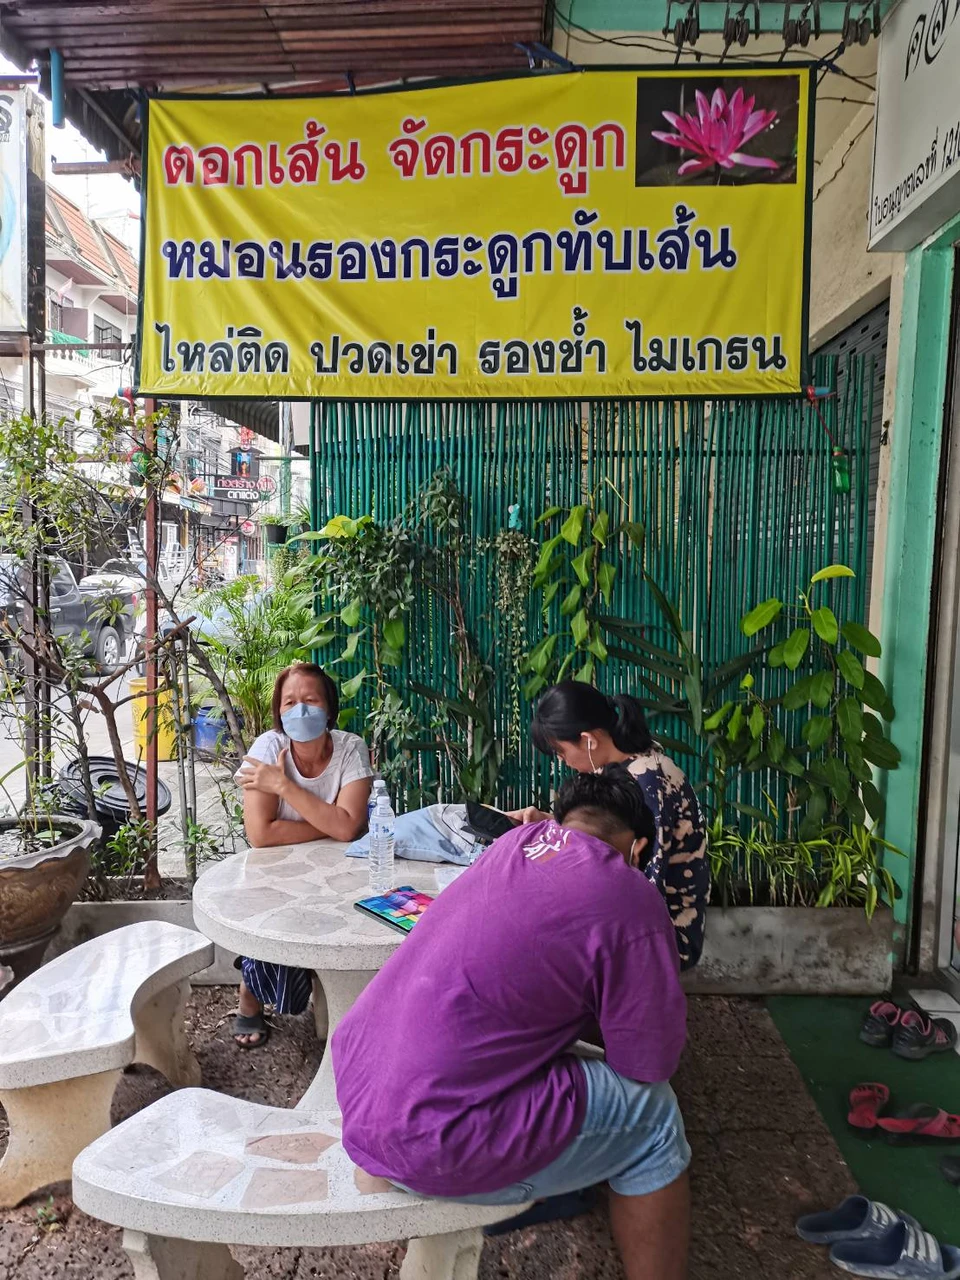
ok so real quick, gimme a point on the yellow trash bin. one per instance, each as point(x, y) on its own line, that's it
point(166, 730)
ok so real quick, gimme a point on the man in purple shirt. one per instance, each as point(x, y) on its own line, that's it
point(454, 1071)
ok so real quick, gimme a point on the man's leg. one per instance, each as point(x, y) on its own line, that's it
point(653, 1232)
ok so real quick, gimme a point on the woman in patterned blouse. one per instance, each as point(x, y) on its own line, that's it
point(591, 732)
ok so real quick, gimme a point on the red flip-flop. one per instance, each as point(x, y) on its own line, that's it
point(920, 1123)
point(866, 1103)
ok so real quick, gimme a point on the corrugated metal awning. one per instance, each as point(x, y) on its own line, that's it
point(111, 51)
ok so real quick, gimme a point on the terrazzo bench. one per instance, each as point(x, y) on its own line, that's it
point(67, 1032)
point(198, 1171)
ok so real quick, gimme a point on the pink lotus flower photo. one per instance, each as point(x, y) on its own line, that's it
point(717, 133)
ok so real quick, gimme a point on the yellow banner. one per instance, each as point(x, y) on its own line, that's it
point(604, 233)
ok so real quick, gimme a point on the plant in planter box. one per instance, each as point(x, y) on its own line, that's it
point(275, 527)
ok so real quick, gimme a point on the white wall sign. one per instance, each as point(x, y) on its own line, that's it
point(916, 154)
point(13, 211)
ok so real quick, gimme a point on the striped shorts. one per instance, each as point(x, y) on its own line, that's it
point(287, 989)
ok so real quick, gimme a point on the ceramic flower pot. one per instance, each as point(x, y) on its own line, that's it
point(37, 888)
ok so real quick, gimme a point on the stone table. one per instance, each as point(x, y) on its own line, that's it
point(294, 905)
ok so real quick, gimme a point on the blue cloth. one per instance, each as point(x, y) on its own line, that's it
point(632, 1137)
point(286, 988)
point(434, 834)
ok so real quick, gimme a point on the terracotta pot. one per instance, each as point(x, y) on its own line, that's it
point(36, 890)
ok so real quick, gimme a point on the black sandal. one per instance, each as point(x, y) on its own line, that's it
point(251, 1025)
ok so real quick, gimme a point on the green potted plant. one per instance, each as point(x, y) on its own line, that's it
point(275, 528)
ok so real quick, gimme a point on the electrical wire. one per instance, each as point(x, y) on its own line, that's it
point(660, 44)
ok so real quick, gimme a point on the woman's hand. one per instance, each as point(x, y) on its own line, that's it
point(531, 814)
point(271, 779)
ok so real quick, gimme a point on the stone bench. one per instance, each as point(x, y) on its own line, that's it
point(67, 1032)
point(198, 1171)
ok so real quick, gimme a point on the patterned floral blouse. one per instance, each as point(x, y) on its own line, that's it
point(678, 865)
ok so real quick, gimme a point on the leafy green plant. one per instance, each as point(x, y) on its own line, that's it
point(575, 572)
point(826, 730)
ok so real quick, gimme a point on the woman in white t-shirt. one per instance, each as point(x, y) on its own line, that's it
point(302, 780)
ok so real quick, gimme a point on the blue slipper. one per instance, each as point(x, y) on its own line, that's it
point(856, 1219)
point(906, 1252)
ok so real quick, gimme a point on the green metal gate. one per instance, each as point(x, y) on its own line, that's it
point(737, 498)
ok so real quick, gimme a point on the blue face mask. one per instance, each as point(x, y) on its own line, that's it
point(305, 723)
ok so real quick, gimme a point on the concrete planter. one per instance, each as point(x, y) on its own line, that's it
point(749, 951)
point(86, 920)
point(758, 951)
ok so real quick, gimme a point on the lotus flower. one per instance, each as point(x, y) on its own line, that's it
point(717, 132)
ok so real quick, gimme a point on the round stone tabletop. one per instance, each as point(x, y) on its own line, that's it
point(294, 905)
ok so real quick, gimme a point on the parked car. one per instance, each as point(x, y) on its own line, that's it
point(79, 616)
point(116, 576)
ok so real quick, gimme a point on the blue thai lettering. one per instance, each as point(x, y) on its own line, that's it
point(415, 245)
point(384, 255)
point(320, 258)
point(503, 251)
point(725, 256)
point(209, 266)
point(674, 253)
point(181, 257)
point(295, 268)
point(251, 260)
point(577, 247)
point(353, 260)
point(529, 243)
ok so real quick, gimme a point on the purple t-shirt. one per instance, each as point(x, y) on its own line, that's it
point(452, 1071)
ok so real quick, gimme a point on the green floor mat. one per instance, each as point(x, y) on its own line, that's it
point(821, 1035)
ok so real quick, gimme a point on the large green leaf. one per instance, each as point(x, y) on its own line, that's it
point(580, 627)
point(549, 592)
point(873, 801)
point(816, 731)
point(581, 564)
point(600, 528)
point(596, 645)
point(548, 514)
point(350, 688)
point(757, 721)
point(572, 527)
point(606, 573)
point(821, 689)
point(875, 695)
point(833, 571)
point(798, 695)
point(716, 718)
point(881, 752)
point(761, 616)
point(794, 647)
point(546, 555)
point(694, 692)
point(350, 613)
point(851, 669)
point(635, 531)
point(777, 746)
point(350, 648)
point(571, 601)
point(394, 633)
point(860, 638)
point(585, 674)
point(850, 719)
point(825, 624)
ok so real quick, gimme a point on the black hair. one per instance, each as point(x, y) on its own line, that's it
point(614, 797)
point(331, 694)
point(571, 708)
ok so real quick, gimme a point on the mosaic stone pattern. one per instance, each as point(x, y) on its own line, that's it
point(202, 1165)
point(295, 905)
point(73, 1017)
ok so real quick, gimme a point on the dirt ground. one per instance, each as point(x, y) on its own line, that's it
point(762, 1156)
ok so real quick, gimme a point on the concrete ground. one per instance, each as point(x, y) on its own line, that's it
point(762, 1156)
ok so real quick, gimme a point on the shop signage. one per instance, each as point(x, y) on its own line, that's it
point(602, 233)
point(243, 488)
point(916, 155)
point(13, 211)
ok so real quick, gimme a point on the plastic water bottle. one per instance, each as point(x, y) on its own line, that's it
point(378, 789)
point(381, 844)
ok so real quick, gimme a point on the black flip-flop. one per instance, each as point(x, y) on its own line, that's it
point(252, 1025)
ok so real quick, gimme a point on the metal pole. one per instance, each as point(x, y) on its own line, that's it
point(151, 550)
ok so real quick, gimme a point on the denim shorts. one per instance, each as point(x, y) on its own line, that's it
point(632, 1137)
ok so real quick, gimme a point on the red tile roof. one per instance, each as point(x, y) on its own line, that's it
point(89, 244)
